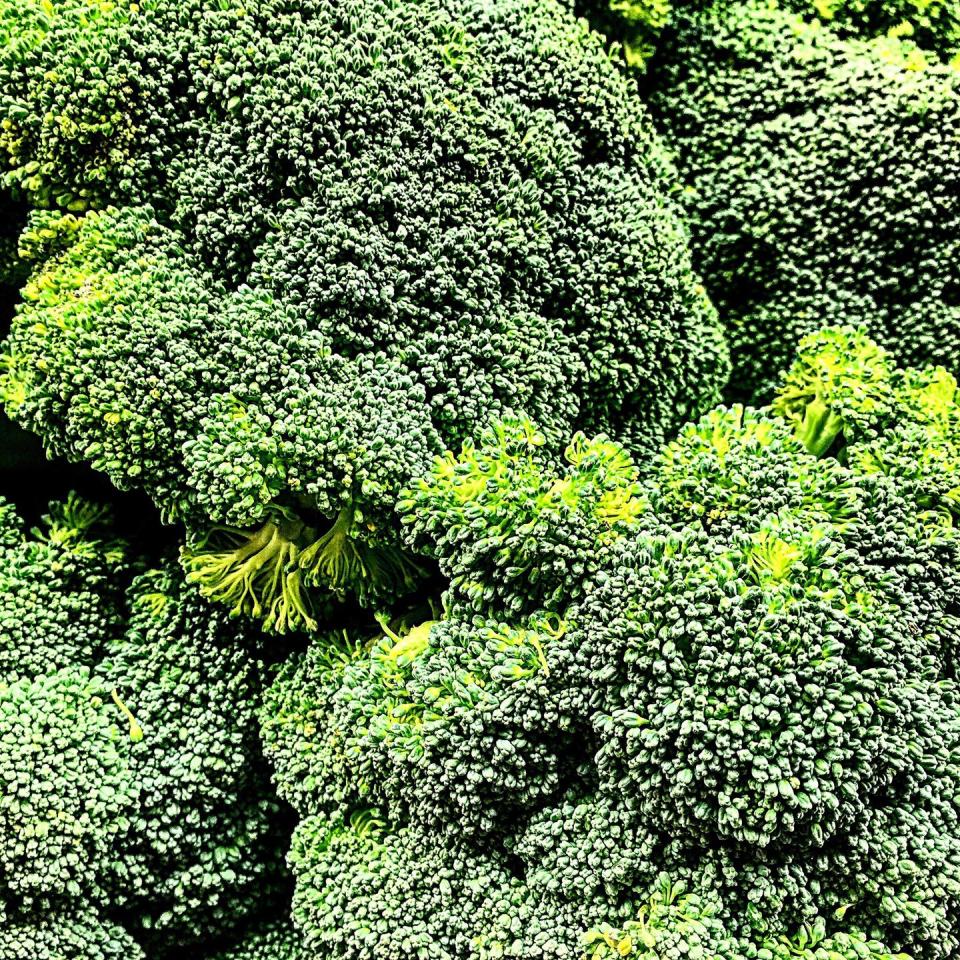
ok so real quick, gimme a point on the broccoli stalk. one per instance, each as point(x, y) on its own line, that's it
point(254, 573)
point(343, 562)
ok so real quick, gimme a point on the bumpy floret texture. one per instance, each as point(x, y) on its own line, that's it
point(452, 725)
point(202, 851)
point(61, 590)
point(822, 183)
point(67, 795)
point(511, 527)
point(130, 771)
point(385, 223)
point(844, 390)
point(77, 935)
point(366, 892)
point(277, 941)
point(933, 25)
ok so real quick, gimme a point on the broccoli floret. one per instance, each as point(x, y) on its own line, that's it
point(61, 589)
point(933, 25)
point(301, 735)
point(453, 725)
point(822, 182)
point(130, 772)
point(66, 794)
point(418, 217)
point(203, 849)
point(11, 527)
point(69, 935)
point(364, 891)
point(514, 530)
point(882, 419)
point(13, 272)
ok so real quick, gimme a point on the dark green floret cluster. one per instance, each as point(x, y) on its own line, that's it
point(479, 480)
point(270, 295)
point(821, 180)
point(135, 811)
point(733, 728)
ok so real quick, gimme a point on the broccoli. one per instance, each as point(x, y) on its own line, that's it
point(742, 738)
point(365, 891)
point(452, 725)
point(513, 529)
point(79, 934)
point(205, 847)
point(933, 25)
point(322, 244)
point(61, 588)
point(821, 182)
point(68, 795)
point(131, 782)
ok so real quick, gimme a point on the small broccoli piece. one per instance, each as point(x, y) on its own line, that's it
point(300, 732)
point(61, 589)
point(11, 526)
point(68, 935)
point(108, 298)
point(13, 272)
point(902, 423)
point(515, 531)
point(66, 793)
point(452, 725)
point(822, 182)
point(365, 892)
point(65, 125)
point(736, 466)
point(202, 851)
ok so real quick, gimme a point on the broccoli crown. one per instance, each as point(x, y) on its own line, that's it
point(822, 182)
point(67, 791)
point(79, 934)
point(384, 224)
point(742, 739)
point(203, 849)
point(514, 530)
point(933, 25)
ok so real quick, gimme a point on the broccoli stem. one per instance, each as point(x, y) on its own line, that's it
point(342, 562)
point(256, 576)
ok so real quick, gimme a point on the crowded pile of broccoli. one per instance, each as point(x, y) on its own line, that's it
point(505, 484)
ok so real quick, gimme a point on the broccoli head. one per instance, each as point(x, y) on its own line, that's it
point(821, 182)
point(416, 217)
point(77, 935)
